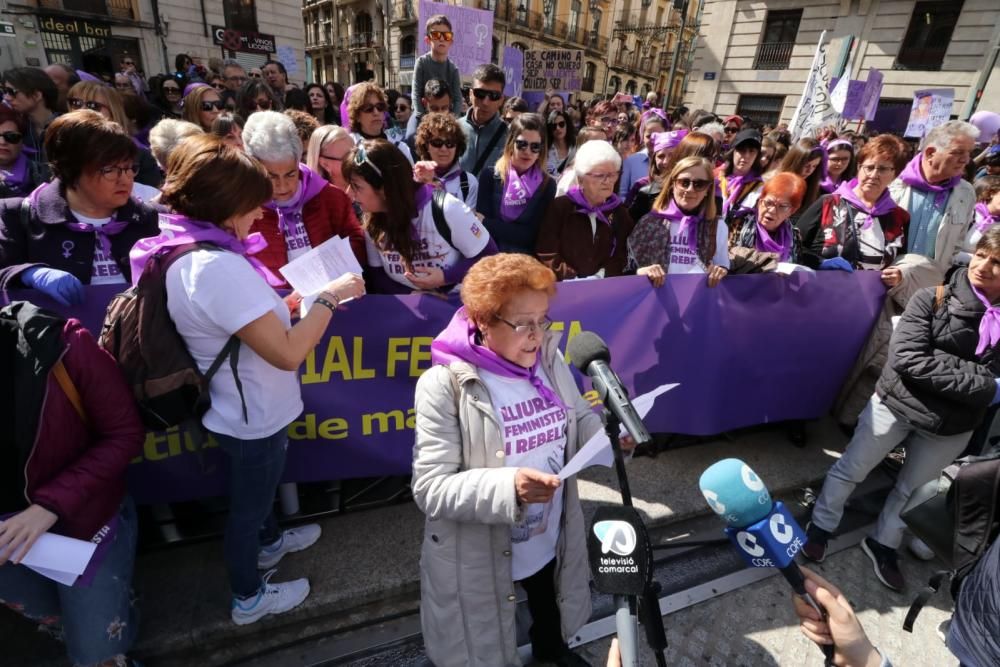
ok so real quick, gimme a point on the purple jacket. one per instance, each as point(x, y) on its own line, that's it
point(47, 240)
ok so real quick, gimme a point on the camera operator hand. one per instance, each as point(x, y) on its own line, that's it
point(842, 627)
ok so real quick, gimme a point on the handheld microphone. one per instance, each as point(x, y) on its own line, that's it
point(764, 532)
point(591, 356)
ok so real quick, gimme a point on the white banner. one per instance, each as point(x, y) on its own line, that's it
point(815, 110)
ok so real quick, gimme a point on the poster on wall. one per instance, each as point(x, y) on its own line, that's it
point(930, 108)
point(553, 69)
point(513, 70)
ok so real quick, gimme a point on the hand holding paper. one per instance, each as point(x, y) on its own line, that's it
point(20, 531)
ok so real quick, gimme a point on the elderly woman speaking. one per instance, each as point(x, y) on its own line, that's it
point(498, 415)
point(585, 232)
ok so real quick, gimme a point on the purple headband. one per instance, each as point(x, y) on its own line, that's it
point(194, 86)
point(832, 146)
point(654, 112)
point(665, 140)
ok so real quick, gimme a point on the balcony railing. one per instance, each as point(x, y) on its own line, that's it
point(406, 62)
point(360, 40)
point(121, 9)
point(773, 55)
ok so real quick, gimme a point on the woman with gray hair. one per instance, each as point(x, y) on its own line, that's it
point(584, 233)
point(305, 210)
point(165, 136)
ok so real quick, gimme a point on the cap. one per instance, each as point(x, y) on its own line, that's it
point(735, 119)
point(747, 136)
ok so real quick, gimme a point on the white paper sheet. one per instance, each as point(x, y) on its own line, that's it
point(59, 558)
point(788, 268)
point(313, 271)
point(597, 450)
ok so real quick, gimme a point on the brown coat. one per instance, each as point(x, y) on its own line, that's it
point(567, 245)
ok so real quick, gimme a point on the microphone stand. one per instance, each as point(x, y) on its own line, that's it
point(629, 608)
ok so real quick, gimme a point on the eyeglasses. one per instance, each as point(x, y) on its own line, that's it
point(483, 93)
point(696, 184)
point(603, 178)
point(732, 130)
point(521, 144)
point(114, 173)
point(12, 137)
point(610, 120)
point(441, 35)
point(171, 90)
point(378, 106)
point(402, 108)
point(524, 329)
point(218, 105)
point(93, 105)
point(262, 105)
point(9, 92)
point(871, 169)
point(442, 143)
point(780, 207)
point(361, 159)
point(559, 124)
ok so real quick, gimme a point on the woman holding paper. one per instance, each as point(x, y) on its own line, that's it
point(497, 417)
point(71, 428)
point(305, 210)
point(215, 192)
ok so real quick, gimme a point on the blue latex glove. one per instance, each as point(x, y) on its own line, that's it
point(836, 264)
point(996, 394)
point(61, 286)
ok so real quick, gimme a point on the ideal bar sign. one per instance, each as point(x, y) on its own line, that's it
point(236, 40)
point(74, 27)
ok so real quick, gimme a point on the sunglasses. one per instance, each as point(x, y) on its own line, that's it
point(732, 130)
point(695, 184)
point(559, 124)
point(378, 106)
point(361, 159)
point(442, 143)
point(171, 90)
point(521, 144)
point(402, 108)
point(263, 105)
point(127, 62)
point(482, 94)
point(218, 105)
point(8, 91)
point(12, 137)
point(441, 35)
point(93, 105)
point(219, 86)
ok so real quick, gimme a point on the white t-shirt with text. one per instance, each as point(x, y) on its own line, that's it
point(684, 260)
point(105, 270)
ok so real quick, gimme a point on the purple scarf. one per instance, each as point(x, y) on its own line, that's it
point(575, 195)
point(828, 185)
point(782, 246)
point(884, 205)
point(984, 219)
point(290, 212)
point(458, 343)
point(689, 223)
point(989, 326)
point(103, 232)
point(179, 230)
point(519, 189)
point(913, 176)
point(735, 184)
point(17, 174)
point(422, 195)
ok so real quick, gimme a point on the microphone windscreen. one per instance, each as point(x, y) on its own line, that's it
point(735, 492)
point(585, 348)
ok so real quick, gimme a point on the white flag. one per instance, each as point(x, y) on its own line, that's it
point(815, 110)
point(838, 96)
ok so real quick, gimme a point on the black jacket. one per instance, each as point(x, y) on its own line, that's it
point(520, 235)
point(934, 379)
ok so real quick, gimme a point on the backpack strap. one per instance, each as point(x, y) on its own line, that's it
point(481, 161)
point(932, 587)
point(437, 212)
point(463, 183)
point(66, 383)
point(231, 350)
point(25, 212)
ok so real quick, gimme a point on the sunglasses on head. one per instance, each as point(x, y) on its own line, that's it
point(93, 105)
point(482, 94)
point(696, 184)
point(378, 106)
point(361, 159)
point(521, 144)
point(442, 143)
point(441, 35)
point(218, 105)
point(12, 137)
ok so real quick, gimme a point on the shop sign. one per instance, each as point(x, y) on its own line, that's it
point(237, 40)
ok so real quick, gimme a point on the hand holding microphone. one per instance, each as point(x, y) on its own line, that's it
point(842, 627)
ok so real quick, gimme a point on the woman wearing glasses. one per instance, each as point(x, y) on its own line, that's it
point(366, 111)
point(18, 175)
point(78, 228)
point(440, 140)
point(840, 165)
point(766, 227)
point(320, 104)
point(682, 234)
point(169, 97)
point(562, 142)
point(254, 96)
point(514, 195)
point(328, 147)
point(585, 232)
point(30, 92)
point(409, 247)
point(498, 416)
point(202, 105)
point(305, 210)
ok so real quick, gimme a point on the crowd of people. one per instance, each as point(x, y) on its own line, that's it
point(447, 190)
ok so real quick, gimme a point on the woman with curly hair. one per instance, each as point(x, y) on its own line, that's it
point(440, 140)
point(366, 113)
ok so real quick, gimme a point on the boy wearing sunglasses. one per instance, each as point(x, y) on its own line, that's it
point(434, 65)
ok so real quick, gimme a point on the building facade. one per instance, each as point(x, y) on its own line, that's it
point(345, 40)
point(96, 35)
point(753, 56)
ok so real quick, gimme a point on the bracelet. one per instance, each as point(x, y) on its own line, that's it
point(323, 301)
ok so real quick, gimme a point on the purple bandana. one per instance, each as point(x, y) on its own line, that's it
point(913, 176)
point(884, 205)
point(782, 246)
point(734, 184)
point(290, 212)
point(984, 219)
point(17, 174)
point(458, 343)
point(519, 189)
point(180, 230)
point(664, 140)
point(103, 232)
point(989, 326)
point(689, 223)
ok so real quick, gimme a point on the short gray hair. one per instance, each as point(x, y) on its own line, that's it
point(270, 136)
point(166, 135)
point(941, 136)
point(712, 129)
point(594, 153)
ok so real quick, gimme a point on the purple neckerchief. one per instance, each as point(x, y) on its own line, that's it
point(102, 232)
point(421, 196)
point(290, 211)
point(665, 140)
point(178, 230)
point(734, 184)
point(989, 326)
point(449, 173)
point(138, 142)
point(782, 246)
point(18, 172)
point(884, 205)
point(599, 211)
point(984, 219)
point(518, 190)
point(689, 223)
point(458, 343)
point(913, 176)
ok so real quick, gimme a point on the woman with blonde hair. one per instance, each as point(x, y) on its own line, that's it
point(328, 146)
point(202, 106)
point(807, 158)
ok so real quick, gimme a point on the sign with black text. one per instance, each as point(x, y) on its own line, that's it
point(237, 40)
point(553, 69)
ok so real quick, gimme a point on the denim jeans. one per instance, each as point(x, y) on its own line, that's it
point(255, 468)
point(97, 622)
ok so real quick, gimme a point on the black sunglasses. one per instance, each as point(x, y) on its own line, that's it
point(378, 106)
point(7, 90)
point(442, 143)
point(171, 90)
point(695, 184)
point(558, 124)
point(218, 105)
point(127, 62)
point(521, 144)
point(12, 137)
point(482, 94)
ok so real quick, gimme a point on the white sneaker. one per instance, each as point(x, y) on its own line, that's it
point(293, 539)
point(919, 549)
point(271, 599)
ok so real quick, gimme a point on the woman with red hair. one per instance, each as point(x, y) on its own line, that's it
point(767, 226)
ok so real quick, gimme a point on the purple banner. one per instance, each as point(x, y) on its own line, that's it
point(756, 349)
point(473, 34)
point(872, 94)
point(513, 70)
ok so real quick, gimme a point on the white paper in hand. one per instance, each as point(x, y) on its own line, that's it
point(313, 271)
point(59, 558)
point(597, 450)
